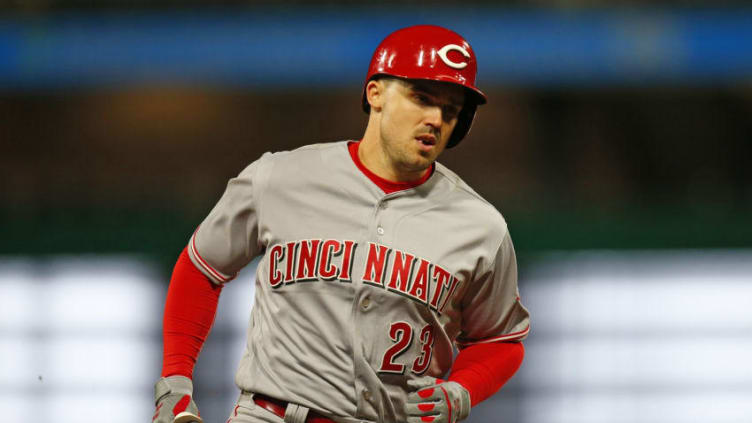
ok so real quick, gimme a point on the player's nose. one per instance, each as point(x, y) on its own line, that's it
point(434, 116)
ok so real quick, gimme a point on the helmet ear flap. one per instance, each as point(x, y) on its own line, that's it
point(464, 122)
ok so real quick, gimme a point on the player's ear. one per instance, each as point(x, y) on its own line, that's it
point(375, 93)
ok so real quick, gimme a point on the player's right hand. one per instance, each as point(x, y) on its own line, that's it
point(173, 397)
point(437, 401)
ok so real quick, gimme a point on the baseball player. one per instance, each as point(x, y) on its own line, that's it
point(376, 262)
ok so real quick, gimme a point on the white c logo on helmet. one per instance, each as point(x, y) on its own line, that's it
point(443, 54)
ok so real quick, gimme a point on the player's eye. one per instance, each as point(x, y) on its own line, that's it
point(422, 99)
point(450, 112)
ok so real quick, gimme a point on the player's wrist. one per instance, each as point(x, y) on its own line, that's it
point(175, 384)
point(461, 378)
point(460, 399)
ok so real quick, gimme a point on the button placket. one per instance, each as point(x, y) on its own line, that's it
point(380, 207)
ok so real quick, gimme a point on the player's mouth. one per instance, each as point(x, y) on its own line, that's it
point(427, 141)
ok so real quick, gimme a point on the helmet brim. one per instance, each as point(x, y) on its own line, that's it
point(473, 95)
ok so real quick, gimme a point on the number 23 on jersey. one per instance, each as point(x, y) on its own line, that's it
point(401, 333)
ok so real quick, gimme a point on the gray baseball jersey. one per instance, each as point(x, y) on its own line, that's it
point(358, 291)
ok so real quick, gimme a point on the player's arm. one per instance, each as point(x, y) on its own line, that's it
point(189, 314)
point(190, 309)
point(224, 243)
point(482, 369)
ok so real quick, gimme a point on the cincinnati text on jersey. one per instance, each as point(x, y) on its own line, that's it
point(394, 270)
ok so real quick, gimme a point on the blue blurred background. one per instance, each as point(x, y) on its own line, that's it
point(617, 142)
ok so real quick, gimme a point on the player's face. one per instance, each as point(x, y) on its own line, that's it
point(417, 119)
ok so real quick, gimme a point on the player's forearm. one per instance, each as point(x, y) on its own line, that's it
point(189, 313)
point(484, 368)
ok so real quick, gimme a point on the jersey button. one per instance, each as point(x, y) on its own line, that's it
point(365, 303)
point(367, 395)
point(380, 230)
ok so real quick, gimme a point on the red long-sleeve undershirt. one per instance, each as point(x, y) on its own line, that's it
point(189, 314)
point(192, 304)
point(484, 368)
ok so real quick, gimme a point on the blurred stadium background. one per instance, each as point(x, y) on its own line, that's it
point(617, 142)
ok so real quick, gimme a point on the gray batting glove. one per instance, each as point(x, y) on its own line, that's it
point(173, 397)
point(437, 401)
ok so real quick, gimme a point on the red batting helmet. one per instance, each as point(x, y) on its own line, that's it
point(434, 53)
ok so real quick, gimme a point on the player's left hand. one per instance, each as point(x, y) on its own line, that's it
point(434, 400)
point(173, 397)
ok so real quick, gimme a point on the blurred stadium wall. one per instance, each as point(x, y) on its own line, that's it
point(617, 143)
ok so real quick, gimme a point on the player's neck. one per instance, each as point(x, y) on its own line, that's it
point(372, 155)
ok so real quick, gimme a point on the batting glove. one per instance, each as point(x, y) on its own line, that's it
point(437, 401)
point(174, 402)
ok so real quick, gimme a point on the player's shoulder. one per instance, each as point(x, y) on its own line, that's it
point(467, 202)
point(309, 155)
point(309, 151)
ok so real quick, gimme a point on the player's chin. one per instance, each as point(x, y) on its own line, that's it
point(426, 157)
point(421, 163)
point(418, 153)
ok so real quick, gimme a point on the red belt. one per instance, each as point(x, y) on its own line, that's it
point(278, 407)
